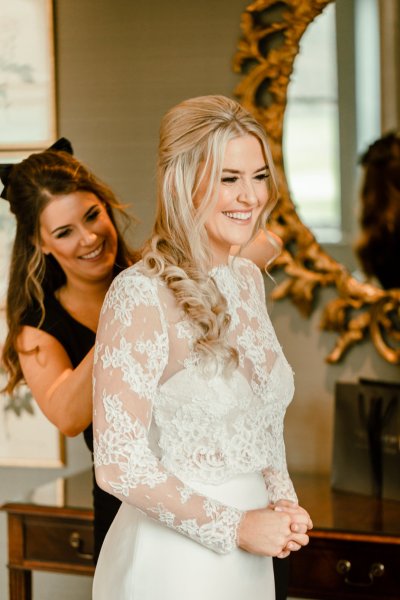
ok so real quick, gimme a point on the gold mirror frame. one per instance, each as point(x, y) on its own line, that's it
point(271, 32)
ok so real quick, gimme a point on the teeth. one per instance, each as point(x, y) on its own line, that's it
point(94, 253)
point(240, 216)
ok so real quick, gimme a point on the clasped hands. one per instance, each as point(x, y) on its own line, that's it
point(276, 530)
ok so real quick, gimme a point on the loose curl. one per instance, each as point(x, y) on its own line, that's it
point(193, 140)
point(379, 242)
point(32, 184)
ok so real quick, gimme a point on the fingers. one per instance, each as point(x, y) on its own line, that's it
point(292, 547)
point(299, 514)
point(297, 517)
point(285, 503)
point(299, 527)
point(298, 540)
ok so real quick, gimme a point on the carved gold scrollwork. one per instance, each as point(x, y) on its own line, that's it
point(271, 32)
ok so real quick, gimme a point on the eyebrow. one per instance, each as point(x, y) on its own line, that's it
point(238, 172)
point(89, 210)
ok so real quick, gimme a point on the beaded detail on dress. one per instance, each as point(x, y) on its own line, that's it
point(161, 420)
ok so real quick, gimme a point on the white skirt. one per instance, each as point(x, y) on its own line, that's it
point(142, 559)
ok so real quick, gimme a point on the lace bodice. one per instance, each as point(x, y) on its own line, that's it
point(161, 419)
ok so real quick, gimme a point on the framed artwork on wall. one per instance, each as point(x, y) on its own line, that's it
point(27, 82)
point(27, 124)
point(27, 438)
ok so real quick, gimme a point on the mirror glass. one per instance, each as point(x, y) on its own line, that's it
point(311, 139)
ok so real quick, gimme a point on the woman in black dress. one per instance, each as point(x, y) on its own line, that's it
point(66, 252)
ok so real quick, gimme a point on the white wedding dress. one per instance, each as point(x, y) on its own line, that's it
point(184, 447)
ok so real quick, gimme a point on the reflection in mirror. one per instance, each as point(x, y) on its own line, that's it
point(378, 246)
point(271, 34)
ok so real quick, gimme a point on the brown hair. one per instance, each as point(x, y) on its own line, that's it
point(30, 187)
point(378, 246)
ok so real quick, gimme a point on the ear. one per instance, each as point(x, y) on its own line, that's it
point(39, 245)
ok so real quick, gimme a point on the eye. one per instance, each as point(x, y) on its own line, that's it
point(62, 234)
point(261, 176)
point(231, 179)
point(92, 216)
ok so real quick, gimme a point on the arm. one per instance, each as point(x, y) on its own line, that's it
point(63, 394)
point(131, 355)
point(130, 358)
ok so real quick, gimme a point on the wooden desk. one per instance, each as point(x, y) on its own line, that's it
point(353, 538)
point(354, 549)
point(50, 538)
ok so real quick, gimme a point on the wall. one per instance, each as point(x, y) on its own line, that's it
point(120, 66)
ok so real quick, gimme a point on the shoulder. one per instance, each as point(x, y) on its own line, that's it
point(247, 269)
point(135, 280)
point(43, 328)
point(49, 316)
point(132, 287)
point(251, 274)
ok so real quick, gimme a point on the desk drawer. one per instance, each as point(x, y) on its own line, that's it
point(331, 569)
point(58, 541)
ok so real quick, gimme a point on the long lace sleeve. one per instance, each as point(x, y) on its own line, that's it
point(131, 354)
point(276, 476)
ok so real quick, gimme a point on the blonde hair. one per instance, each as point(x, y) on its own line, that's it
point(193, 140)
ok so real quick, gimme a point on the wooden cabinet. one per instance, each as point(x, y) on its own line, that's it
point(354, 549)
point(47, 539)
point(50, 538)
point(337, 568)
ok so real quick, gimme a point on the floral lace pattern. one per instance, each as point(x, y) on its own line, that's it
point(160, 420)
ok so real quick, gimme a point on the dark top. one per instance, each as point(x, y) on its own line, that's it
point(77, 340)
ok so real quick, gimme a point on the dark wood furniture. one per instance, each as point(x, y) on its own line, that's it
point(50, 538)
point(354, 551)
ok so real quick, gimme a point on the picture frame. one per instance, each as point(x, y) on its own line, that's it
point(27, 75)
point(27, 438)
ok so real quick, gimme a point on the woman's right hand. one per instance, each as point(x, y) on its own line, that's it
point(267, 532)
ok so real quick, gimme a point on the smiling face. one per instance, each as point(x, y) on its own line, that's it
point(76, 229)
point(242, 194)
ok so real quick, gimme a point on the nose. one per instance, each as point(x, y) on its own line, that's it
point(247, 193)
point(87, 236)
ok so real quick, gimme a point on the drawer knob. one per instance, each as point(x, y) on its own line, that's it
point(343, 567)
point(376, 570)
point(76, 542)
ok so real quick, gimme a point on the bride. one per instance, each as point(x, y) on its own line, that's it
point(191, 384)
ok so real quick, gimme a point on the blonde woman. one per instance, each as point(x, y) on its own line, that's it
point(191, 384)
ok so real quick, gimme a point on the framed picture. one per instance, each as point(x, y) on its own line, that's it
point(27, 82)
point(27, 438)
point(48, 494)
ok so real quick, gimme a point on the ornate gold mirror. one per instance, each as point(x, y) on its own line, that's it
point(271, 33)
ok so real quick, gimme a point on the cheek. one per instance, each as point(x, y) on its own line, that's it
point(224, 199)
point(111, 233)
point(263, 197)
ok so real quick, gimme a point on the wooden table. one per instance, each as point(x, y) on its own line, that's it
point(50, 538)
point(354, 550)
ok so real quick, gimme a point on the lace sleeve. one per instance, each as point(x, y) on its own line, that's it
point(130, 356)
point(276, 477)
